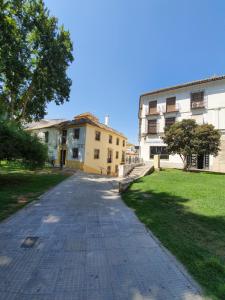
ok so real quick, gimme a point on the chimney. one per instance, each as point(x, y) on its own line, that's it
point(107, 120)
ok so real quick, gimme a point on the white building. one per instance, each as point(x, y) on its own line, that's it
point(202, 100)
point(49, 133)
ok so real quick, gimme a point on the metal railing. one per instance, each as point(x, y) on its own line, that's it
point(198, 104)
point(170, 108)
point(133, 160)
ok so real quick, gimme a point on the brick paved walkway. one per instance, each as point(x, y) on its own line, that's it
point(88, 245)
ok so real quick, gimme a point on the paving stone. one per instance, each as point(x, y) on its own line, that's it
point(90, 246)
point(71, 279)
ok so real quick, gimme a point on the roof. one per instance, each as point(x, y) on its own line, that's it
point(44, 124)
point(88, 118)
point(82, 119)
point(179, 86)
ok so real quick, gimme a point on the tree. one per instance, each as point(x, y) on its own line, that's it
point(34, 56)
point(187, 137)
point(207, 139)
point(16, 143)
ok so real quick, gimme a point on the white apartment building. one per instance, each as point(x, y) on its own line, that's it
point(202, 100)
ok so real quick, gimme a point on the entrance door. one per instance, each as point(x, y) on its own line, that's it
point(200, 162)
point(62, 157)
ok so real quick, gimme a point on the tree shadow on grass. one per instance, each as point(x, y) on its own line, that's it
point(197, 240)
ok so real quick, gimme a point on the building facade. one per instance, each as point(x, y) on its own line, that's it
point(203, 101)
point(84, 143)
point(132, 153)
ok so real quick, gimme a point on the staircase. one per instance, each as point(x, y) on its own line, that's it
point(139, 171)
point(135, 173)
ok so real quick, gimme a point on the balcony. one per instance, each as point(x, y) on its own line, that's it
point(198, 104)
point(152, 132)
point(167, 109)
point(153, 112)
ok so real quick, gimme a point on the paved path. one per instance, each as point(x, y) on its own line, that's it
point(90, 246)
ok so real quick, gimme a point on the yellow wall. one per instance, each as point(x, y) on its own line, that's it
point(100, 165)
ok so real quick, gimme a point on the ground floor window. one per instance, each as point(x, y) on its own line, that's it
point(116, 169)
point(161, 150)
point(108, 170)
point(96, 153)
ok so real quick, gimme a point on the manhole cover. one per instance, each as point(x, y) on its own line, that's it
point(29, 242)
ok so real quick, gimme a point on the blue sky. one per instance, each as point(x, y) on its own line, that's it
point(123, 48)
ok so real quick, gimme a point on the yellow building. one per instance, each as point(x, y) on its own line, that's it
point(91, 146)
point(83, 143)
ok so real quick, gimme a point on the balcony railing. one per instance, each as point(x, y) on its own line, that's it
point(153, 112)
point(152, 130)
point(198, 104)
point(171, 108)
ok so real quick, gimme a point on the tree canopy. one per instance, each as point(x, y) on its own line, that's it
point(35, 53)
point(187, 137)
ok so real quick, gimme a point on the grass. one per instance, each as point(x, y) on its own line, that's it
point(186, 211)
point(19, 186)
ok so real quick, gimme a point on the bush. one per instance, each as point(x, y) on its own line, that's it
point(16, 143)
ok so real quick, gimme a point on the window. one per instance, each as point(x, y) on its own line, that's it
point(97, 135)
point(117, 141)
point(152, 107)
point(152, 126)
point(171, 104)
point(123, 157)
point(123, 143)
point(161, 150)
point(76, 133)
point(197, 100)
point(117, 154)
point(96, 154)
point(110, 156)
point(75, 153)
point(64, 135)
point(108, 170)
point(169, 122)
point(110, 139)
point(46, 136)
point(116, 169)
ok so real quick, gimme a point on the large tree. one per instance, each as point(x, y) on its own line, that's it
point(187, 137)
point(34, 56)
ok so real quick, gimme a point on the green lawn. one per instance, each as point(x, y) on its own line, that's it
point(19, 186)
point(186, 211)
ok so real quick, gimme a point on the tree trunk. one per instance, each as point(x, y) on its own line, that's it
point(184, 160)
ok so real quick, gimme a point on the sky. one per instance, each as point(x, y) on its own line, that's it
point(123, 48)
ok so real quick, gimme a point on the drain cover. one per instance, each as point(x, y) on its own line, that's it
point(29, 242)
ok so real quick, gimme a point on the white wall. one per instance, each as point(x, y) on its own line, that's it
point(76, 143)
point(214, 93)
point(53, 139)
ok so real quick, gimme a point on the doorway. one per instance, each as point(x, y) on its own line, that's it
point(108, 170)
point(62, 157)
point(200, 161)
